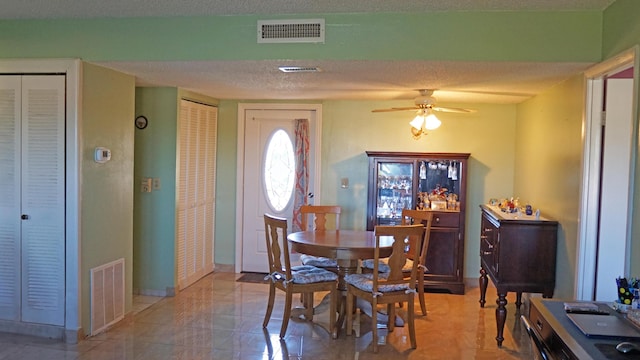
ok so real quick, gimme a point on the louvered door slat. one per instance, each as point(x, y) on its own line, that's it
point(43, 242)
point(10, 194)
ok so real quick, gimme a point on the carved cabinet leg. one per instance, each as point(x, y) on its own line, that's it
point(483, 286)
point(501, 316)
point(518, 299)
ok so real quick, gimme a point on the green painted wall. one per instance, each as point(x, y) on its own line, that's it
point(548, 160)
point(106, 197)
point(621, 28)
point(464, 36)
point(154, 212)
point(156, 156)
point(226, 183)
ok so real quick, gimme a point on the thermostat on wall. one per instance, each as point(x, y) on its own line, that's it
point(102, 155)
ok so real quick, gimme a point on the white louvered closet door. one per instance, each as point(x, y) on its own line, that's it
point(36, 176)
point(196, 192)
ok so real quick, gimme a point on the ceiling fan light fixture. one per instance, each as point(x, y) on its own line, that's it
point(431, 122)
point(417, 122)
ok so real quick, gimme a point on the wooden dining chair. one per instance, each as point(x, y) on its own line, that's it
point(314, 218)
point(415, 217)
point(387, 288)
point(305, 280)
point(412, 217)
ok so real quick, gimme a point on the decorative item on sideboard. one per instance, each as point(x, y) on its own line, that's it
point(513, 205)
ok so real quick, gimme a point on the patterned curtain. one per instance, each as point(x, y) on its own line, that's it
point(302, 170)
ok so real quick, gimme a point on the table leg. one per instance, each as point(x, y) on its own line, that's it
point(345, 267)
point(501, 316)
point(483, 286)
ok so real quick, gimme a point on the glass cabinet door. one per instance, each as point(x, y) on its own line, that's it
point(394, 191)
point(439, 185)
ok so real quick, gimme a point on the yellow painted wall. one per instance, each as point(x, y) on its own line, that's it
point(106, 218)
point(548, 158)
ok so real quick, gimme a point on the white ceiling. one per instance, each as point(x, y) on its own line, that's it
point(374, 80)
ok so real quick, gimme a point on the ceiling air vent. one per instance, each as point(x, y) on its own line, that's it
point(291, 31)
point(299, 69)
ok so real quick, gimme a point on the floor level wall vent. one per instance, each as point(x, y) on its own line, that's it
point(107, 295)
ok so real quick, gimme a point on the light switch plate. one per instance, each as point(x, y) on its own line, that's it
point(145, 185)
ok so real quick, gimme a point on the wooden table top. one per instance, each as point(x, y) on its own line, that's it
point(339, 244)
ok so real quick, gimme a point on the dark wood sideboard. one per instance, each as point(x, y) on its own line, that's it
point(518, 254)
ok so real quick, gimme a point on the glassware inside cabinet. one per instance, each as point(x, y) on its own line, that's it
point(439, 185)
point(395, 191)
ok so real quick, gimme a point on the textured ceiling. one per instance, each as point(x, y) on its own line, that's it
point(488, 82)
point(375, 80)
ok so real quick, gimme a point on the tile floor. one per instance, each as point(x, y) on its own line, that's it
point(219, 318)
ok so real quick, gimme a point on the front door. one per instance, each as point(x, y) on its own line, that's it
point(269, 176)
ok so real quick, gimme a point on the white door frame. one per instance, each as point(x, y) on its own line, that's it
point(242, 108)
point(590, 190)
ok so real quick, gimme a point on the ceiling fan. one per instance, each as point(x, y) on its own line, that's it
point(425, 119)
point(427, 101)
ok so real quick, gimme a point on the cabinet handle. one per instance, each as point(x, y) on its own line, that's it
point(487, 252)
point(488, 229)
point(437, 219)
point(483, 237)
point(539, 324)
point(490, 246)
point(24, 217)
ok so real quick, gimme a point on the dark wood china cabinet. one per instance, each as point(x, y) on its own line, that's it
point(430, 182)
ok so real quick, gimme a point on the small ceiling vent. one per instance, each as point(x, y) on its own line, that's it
point(291, 31)
point(299, 69)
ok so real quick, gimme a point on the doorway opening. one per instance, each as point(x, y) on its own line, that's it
point(610, 139)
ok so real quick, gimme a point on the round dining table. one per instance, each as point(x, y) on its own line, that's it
point(346, 247)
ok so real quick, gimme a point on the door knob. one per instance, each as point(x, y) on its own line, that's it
point(24, 217)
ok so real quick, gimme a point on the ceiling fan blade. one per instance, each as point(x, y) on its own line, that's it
point(453, 110)
point(396, 109)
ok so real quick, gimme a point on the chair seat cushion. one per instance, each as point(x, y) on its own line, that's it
point(318, 261)
point(306, 274)
point(383, 265)
point(365, 282)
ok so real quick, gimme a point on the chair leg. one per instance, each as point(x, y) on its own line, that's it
point(272, 295)
point(287, 313)
point(332, 312)
point(423, 305)
point(391, 313)
point(374, 324)
point(412, 327)
point(308, 312)
point(348, 312)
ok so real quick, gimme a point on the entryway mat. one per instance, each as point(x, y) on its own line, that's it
point(251, 277)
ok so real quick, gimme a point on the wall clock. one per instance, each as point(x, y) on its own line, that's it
point(141, 122)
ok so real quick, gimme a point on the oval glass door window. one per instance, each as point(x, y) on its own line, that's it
point(279, 170)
